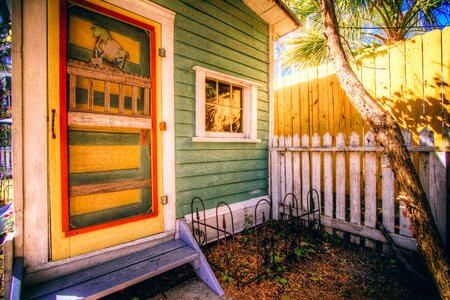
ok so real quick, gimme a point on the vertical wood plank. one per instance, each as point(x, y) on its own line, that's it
point(328, 179)
point(90, 99)
point(405, 224)
point(72, 91)
point(276, 92)
point(340, 180)
point(323, 101)
point(146, 101)
point(296, 168)
point(398, 82)
point(274, 171)
point(432, 75)
point(295, 104)
point(121, 99)
point(305, 172)
point(313, 100)
point(446, 76)
point(280, 108)
point(315, 165)
point(134, 100)
point(446, 143)
point(287, 105)
point(304, 104)
point(383, 78)
point(282, 174)
point(414, 85)
point(107, 96)
point(370, 188)
point(387, 194)
point(288, 165)
point(436, 185)
point(355, 185)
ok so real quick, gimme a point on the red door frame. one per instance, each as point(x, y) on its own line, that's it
point(64, 121)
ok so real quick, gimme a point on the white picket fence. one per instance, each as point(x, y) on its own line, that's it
point(6, 161)
point(355, 181)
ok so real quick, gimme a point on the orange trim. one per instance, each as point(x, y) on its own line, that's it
point(63, 117)
point(63, 114)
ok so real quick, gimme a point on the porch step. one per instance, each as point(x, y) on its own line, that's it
point(117, 274)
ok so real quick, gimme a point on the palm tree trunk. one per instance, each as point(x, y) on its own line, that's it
point(388, 134)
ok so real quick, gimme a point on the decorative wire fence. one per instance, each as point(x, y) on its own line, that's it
point(266, 248)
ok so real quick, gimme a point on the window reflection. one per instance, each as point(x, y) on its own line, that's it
point(223, 107)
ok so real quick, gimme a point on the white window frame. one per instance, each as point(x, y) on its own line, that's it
point(250, 112)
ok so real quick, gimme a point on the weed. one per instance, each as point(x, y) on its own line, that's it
point(248, 222)
point(226, 277)
point(283, 281)
point(305, 249)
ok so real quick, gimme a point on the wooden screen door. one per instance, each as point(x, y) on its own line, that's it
point(109, 142)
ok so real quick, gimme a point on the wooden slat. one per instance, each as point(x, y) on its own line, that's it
point(304, 104)
point(134, 100)
point(107, 96)
point(287, 105)
point(85, 70)
point(90, 189)
point(280, 124)
point(274, 172)
point(405, 224)
point(328, 179)
point(107, 120)
point(325, 119)
point(340, 180)
point(432, 76)
point(370, 188)
point(288, 165)
point(446, 76)
point(295, 94)
point(355, 187)
point(296, 169)
point(72, 91)
point(313, 100)
point(387, 195)
point(434, 181)
point(282, 174)
point(121, 99)
point(414, 83)
point(103, 269)
point(146, 102)
point(305, 172)
point(315, 164)
point(90, 99)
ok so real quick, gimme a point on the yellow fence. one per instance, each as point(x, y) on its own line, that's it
point(410, 79)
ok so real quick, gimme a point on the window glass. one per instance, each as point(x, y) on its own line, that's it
point(223, 107)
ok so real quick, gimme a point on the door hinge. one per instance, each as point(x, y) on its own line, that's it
point(162, 52)
point(164, 199)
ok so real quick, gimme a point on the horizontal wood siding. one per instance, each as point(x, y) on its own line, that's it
point(224, 36)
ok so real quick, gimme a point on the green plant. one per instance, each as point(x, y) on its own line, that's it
point(283, 281)
point(226, 277)
point(248, 222)
point(305, 249)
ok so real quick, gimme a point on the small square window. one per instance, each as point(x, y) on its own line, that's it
point(225, 108)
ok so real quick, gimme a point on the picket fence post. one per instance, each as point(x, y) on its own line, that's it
point(370, 187)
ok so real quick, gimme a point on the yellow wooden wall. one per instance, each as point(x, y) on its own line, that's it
point(410, 79)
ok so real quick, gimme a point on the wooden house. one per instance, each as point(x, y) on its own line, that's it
point(124, 110)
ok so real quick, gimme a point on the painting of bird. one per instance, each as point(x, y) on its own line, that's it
point(107, 48)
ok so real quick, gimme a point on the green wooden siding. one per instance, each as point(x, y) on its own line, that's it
point(228, 37)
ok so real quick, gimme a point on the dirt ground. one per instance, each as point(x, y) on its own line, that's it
point(324, 268)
